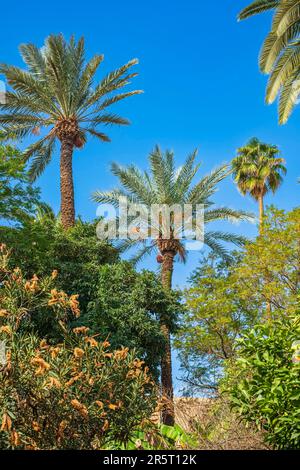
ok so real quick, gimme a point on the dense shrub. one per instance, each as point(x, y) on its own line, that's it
point(127, 309)
point(265, 381)
point(41, 245)
point(77, 394)
point(115, 300)
point(18, 197)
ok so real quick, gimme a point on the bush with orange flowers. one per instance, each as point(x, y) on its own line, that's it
point(78, 394)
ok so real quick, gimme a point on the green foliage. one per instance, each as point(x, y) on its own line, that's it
point(266, 381)
point(115, 300)
point(257, 169)
point(17, 197)
point(215, 316)
point(158, 437)
point(164, 184)
point(78, 394)
point(41, 246)
point(227, 299)
point(268, 274)
point(127, 307)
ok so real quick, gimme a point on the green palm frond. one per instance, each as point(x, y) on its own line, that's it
point(131, 179)
point(258, 6)
point(284, 68)
point(58, 84)
point(238, 240)
point(288, 97)
point(163, 185)
point(112, 197)
point(257, 168)
point(108, 119)
point(280, 53)
point(41, 157)
point(225, 213)
point(207, 186)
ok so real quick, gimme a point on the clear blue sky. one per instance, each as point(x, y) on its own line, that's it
point(198, 68)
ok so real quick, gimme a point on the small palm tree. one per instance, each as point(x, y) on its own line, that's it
point(257, 169)
point(280, 54)
point(57, 95)
point(166, 185)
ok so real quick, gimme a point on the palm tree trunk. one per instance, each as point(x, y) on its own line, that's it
point(261, 212)
point(168, 413)
point(66, 184)
point(261, 221)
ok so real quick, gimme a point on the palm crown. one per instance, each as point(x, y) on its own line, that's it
point(58, 94)
point(167, 185)
point(257, 169)
point(280, 54)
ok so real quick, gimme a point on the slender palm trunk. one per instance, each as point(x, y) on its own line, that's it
point(261, 221)
point(168, 413)
point(66, 184)
point(261, 212)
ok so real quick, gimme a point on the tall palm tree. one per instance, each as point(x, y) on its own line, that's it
point(280, 54)
point(57, 95)
point(257, 169)
point(166, 185)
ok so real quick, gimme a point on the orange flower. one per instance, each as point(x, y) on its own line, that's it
point(105, 426)
point(121, 354)
point(54, 274)
point(106, 344)
point(78, 352)
point(54, 299)
point(36, 426)
point(32, 285)
point(82, 409)
point(74, 379)
point(91, 342)
point(53, 382)
point(54, 352)
point(43, 344)
point(99, 403)
point(138, 363)
point(62, 426)
point(6, 423)
point(6, 329)
point(80, 329)
point(14, 438)
point(112, 407)
point(43, 366)
point(74, 304)
point(3, 312)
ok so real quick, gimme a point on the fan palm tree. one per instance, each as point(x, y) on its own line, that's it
point(257, 169)
point(280, 54)
point(166, 185)
point(57, 95)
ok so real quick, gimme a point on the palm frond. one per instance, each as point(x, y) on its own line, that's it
point(41, 158)
point(258, 6)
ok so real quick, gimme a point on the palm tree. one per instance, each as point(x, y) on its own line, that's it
point(280, 54)
point(57, 94)
point(166, 185)
point(257, 169)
